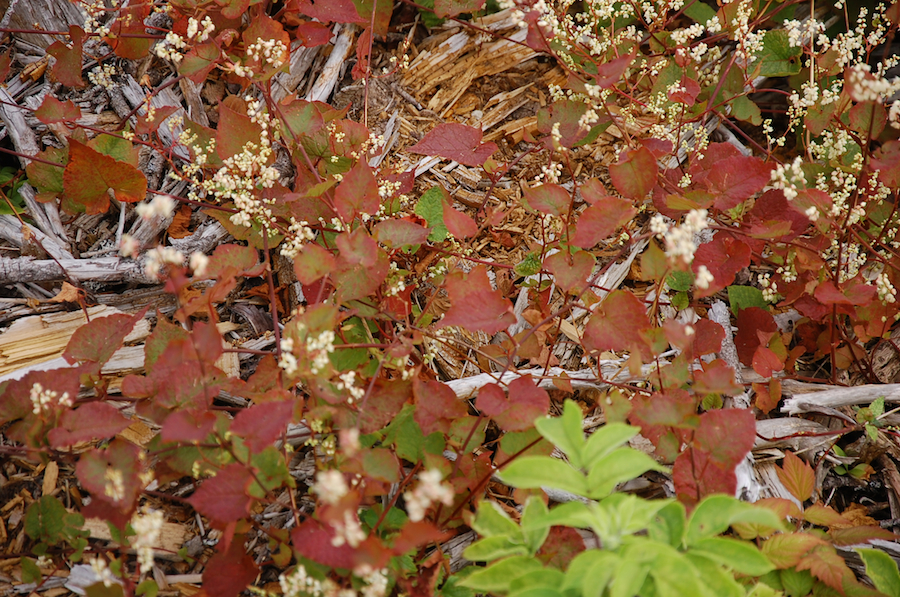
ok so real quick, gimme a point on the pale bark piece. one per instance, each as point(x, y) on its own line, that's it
point(171, 537)
point(783, 433)
point(50, 15)
point(345, 34)
point(11, 230)
point(101, 269)
point(284, 84)
point(33, 340)
point(836, 397)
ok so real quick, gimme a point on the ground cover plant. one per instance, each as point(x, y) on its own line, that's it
point(690, 280)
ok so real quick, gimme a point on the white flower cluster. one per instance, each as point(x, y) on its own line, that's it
point(886, 291)
point(347, 381)
point(868, 87)
point(769, 288)
point(269, 51)
point(160, 257)
point(287, 361)
point(703, 278)
point(199, 262)
point(170, 48)
point(679, 240)
point(42, 399)
point(161, 207)
point(298, 234)
point(101, 569)
point(300, 584)
point(349, 532)
point(787, 178)
point(147, 526)
point(330, 486)
point(102, 76)
point(429, 490)
point(195, 32)
point(320, 347)
point(376, 581)
point(114, 484)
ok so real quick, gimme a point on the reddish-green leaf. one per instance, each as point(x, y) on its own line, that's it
point(223, 498)
point(825, 564)
point(860, 534)
point(94, 420)
point(361, 265)
point(436, 406)
point(824, 516)
point(572, 272)
point(263, 28)
point(357, 193)
point(786, 550)
point(383, 404)
point(52, 110)
point(765, 361)
point(548, 199)
point(400, 233)
point(95, 342)
point(601, 220)
point(145, 127)
point(474, 305)
point(260, 425)
point(90, 175)
point(451, 8)
point(617, 323)
point(635, 174)
point(750, 322)
point(48, 179)
point(797, 477)
point(716, 377)
point(111, 475)
point(199, 61)
point(456, 142)
point(708, 336)
point(128, 37)
point(235, 129)
point(526, 402)
point(188, 426)
point(313, 540)
point(67, 69)
point(312, 263)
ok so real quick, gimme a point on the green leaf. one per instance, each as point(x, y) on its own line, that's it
point(738, 555)
point(699, 12)
point(669, 526)
point(566, 432)
point(680, 281)
point(543, 471)
point(30, 572)
point(629, 578)
point(673, 573)
point(720, 582)
point(882, 569)
point(148, 588)
point(605, 440)
point(743, 108)
point(492, 521)
point(877, 407)
point(591, 571)
point(741, 297)
point(536, 579)
point(497, 577)
point(797, 582)
point(493, 548)
point(715, 513)
point(534, 534)
point(405, 435)
point(431, 207)
point(777, 57)
point(622, 464)
point(528, 266)
point(46, 520)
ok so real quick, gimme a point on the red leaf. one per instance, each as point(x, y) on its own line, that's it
point(825, 564)
point(736, 179)
point(361, 266)
point(262, 28)
point(312, 34)
point(786, 550)
point(724, 257)
point(52, 110)
point(400, 233)
point(90, 175)
point(526, 403)
point(852, 294)
point(456, 142)
point(416, 534)
point(765, 361)
point(768, 395)
point(235, 129)
point(436, 406)
point(313, 262)
point(549, 199)
point(750, 321)
point(357, 193)
point(474, 305)
point(95, 342)
point(67, 69)
point(610, 73)
point(601, 220)
point(336, 11)
point(887, 161)
point(260, 425)
point(688, 91)
point(223, 498)
point(616, 323)
point(708, 336)
point(459, 224)
point(671, 408)
point(635, 174)
point(797, 477)
point(571, 272)
point(128, 37)
point(716, 378)
point(199, 61)
point(560, 547)
point(145, 127)
point(385, 401)
point(94, 420)
point(361, 68)
point(312, 540)
point(229, 572)
point(188, 426)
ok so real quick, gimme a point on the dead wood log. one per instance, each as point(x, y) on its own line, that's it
point(809, 398)
point(104, 269)
point(49, 15)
